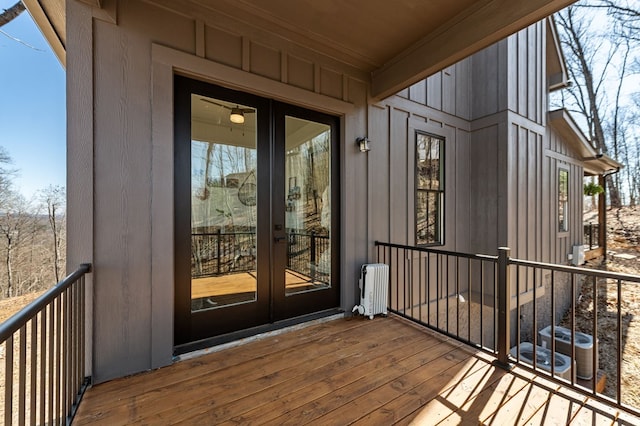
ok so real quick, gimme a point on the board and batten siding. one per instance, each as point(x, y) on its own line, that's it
point(511, 75)
point(127, 137)
point(393, 125)
point(535, 157)
point(120, 147)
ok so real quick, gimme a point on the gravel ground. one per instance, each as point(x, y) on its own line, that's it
point(623, 228)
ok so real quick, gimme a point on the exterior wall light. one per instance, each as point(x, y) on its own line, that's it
point(363, 144)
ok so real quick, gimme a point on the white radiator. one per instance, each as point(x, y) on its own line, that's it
point(374, 289)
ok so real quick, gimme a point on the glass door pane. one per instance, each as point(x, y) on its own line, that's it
point(223, 204)
point(308, 205)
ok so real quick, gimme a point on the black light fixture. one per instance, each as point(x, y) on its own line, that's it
point(363, 144)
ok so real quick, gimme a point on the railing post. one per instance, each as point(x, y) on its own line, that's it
point(313, 248)
point(504, 304)
point(218, 249)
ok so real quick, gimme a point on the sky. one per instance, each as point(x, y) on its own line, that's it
point(32, 106)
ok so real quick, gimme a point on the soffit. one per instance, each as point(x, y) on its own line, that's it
point(556, 65)
point(601, 165)
point(564, 124)
point(396, 42)
point(594, 163)
point(366, 33)
point(49, 16)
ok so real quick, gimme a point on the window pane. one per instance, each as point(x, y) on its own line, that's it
point(429, 189)
point(428, 217)
point(308, 205)
point(223, 205)
point(428, 162)
point(563, 200)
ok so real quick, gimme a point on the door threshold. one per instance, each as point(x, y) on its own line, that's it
point(219, 343)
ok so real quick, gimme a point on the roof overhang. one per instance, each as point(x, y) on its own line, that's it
point(472, 29)
point(396, 43)
point(556, 64)
point(49, 16)
point(595, 163)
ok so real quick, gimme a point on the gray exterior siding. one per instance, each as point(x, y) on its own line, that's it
point(490, 109)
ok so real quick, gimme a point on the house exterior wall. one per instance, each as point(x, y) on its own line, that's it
point(120, 152)
point(121, 158)
point(502, 163)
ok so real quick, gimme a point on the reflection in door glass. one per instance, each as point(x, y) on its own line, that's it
point(223, 203)
point(308, 205)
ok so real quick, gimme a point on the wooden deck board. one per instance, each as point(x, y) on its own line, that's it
point(284, 369)
point(242, 282)
point(274, 398)
point(357, 371)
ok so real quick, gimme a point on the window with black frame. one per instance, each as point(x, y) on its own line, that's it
point(563, 200)
point(429, 197)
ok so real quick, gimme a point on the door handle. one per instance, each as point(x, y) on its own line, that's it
point(280, 239)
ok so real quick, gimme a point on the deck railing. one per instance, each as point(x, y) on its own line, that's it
point(496, 302)
point(591, 235)
point(44, 355)
point(304, 252)
point(453, 293)
point(560, 296)
point(225, 252)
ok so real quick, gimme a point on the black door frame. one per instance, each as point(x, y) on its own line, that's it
point(272, 305)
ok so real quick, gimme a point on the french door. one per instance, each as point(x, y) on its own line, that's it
point(256, 202)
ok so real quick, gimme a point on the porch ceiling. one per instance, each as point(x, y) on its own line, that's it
point(397, 42)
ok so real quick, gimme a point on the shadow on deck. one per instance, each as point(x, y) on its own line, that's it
point(346, 371)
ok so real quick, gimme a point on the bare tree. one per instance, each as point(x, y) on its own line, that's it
point(627, 14)
point(15, 221)
point(6, 174)
point(54, 199)
point(590, 61)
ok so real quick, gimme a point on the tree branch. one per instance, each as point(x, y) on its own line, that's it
point(10, 14)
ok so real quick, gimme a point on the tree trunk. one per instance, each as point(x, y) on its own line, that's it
point(614, 193)
point(9, 291)
point(602, 218)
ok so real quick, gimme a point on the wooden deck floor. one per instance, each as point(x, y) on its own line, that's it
point(244, 282)
point(348, 371)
